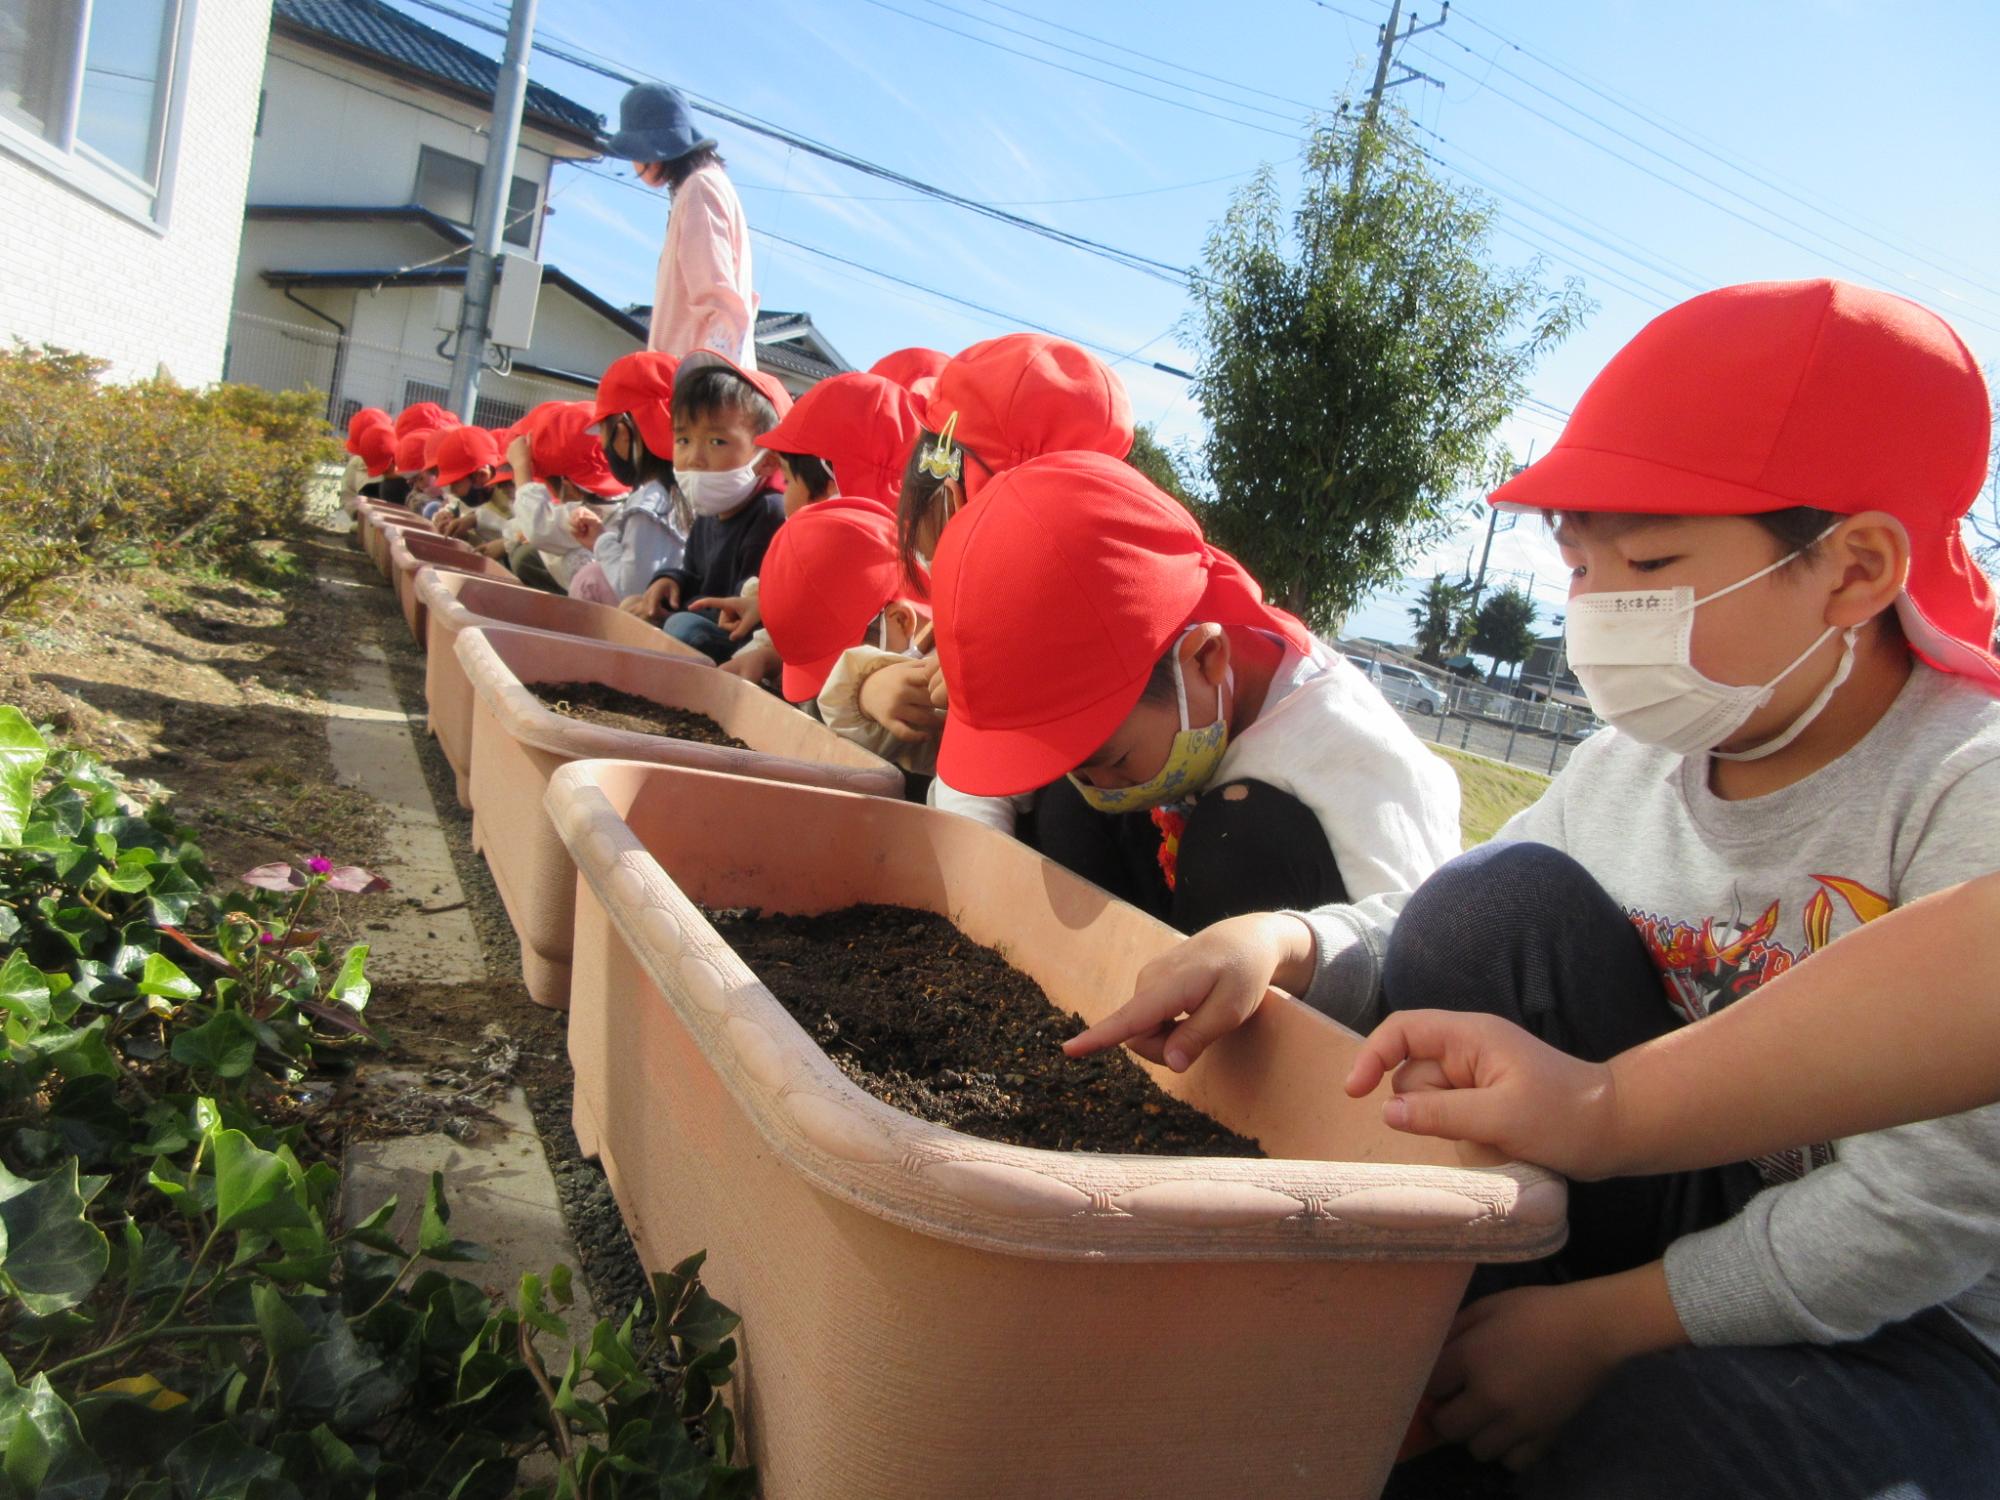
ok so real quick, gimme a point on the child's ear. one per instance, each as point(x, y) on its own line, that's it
point(767, 464)
point(1204, 650)
point(1872, 554)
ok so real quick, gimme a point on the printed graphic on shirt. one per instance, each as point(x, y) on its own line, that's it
point(1707, 966)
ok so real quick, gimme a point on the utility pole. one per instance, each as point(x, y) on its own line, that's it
point(510, 93)
point(1492, 525)
point(1386, 59)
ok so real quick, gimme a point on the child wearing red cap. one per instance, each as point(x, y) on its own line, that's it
point(1244, 763)
point(357, 480)
point(1772, 605)
point(719, 409)
point(478, 493)
point(848, 435)
point(832, 580)
point(999, 403)
point(915, 369)
point(559, 470)
point(648, 530)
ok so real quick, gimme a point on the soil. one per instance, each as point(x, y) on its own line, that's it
point(594, 703)
point(926, 1019)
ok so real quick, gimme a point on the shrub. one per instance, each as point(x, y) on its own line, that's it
point(95, 475)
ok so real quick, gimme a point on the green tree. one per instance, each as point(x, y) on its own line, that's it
point(1504, 628)
point(1439, 618)
point(1151, 458)
point(1358, 355)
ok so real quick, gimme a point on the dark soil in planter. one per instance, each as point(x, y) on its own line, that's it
point(594, 703)
point(926, 1019)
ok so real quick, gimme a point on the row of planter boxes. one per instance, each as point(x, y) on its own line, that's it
point(928, 1314)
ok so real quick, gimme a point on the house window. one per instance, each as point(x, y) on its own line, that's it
point(90, 89)
point(448, 186)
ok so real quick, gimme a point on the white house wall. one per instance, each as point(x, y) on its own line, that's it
point(144, 297)
point(339, 134)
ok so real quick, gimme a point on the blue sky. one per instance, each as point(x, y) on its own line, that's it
point(1812, 137)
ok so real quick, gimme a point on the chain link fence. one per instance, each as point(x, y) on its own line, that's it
point(1537, 733)
point(351, 373)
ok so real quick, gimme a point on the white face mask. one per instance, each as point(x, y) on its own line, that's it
point(1634, 654)
point(713, 491)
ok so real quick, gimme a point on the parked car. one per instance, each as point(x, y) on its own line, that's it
point(1401, 686)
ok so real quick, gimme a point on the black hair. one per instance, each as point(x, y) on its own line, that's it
point(645, 466)
point(1797, 527)
point(1159, 686)
point(395, 489)
point(919, 497)
point(713, 390)
point(681, 168)
point(813, 473)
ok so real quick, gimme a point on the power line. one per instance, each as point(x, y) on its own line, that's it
point(581, 58)
point(1178, 187)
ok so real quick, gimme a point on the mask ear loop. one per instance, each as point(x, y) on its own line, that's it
point(1743, 583)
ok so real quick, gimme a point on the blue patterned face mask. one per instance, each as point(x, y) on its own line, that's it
point(1191, 762)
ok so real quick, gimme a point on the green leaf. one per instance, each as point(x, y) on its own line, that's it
point(51, 1255)
point(163, 977)
point(373, 1231)
point(434, 1228)
point(83, 1053)
point(225, 1044)
point(218, 1463)
point(173, 895)
point(23, 753)
point(42, 1451)
point(255, 1189)
point(282, 1331)
point(132, 872)
point(350, 986)
point(24, 990)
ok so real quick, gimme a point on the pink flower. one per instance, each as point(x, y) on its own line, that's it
point(267, 937)
point(319, 866)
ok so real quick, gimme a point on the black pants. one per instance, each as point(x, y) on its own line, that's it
point(1911, 1413)
point(1247, 847)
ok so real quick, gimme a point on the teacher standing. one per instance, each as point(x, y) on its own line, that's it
point(703, 297)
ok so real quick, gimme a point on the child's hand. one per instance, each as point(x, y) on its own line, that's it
point(520, 461)
point(752, 663)
point(898, 697)
point(662, 598)
point(1216, 980)
point(455, 526)
point(1479, 1078)
point(494, 549)
point(734, 613)
point(940, 699)
point(586, 525)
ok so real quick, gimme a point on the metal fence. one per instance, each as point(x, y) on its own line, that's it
point(1531, 732)
point(281, 356)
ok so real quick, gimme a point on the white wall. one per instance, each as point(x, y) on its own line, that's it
point(347, 136)
point(82, 276)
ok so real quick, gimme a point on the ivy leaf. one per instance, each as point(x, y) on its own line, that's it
point(373, 1231)
point(162, 976)
point(132, 872)
point(434, 1228)
point(217, 1463)
point(77, 1054)
point(350, 986)
point(50, 1254)
point(225, 1044)
point(255, 1189)
point(173, 895)
point(24, 990)
point(23, 753)
point(42, 1451)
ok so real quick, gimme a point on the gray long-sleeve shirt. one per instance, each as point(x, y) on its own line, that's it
point(1727, 895)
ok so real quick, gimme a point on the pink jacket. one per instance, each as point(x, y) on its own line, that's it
point(703, 298)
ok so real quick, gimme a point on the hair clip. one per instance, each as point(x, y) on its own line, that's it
point(943, 459)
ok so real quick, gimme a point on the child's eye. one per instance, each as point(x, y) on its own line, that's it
point(1652, 564)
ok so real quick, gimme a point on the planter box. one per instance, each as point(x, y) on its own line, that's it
point(453, 601)
point(927, 1314)
point(518, 743)
point(376, 521)
point(410, 551)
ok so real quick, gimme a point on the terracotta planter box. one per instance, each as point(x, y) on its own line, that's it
point(518, 743)
point(410, 551)
point(927, 1314)
point(376, 521)
point(453, 601)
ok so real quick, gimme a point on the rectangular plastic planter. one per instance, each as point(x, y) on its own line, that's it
point(453, 601)
point(410, 551)
point(926, 1314)
point(377, 521)
point(518, 743)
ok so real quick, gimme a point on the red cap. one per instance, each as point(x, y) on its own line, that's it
point(360, 422)
point(1796, 393)
point(433, 441)
point(829, 570)
point(641, 386)
point(424, 415)
point(1086, 539)
point(915, 369)
point(562, 445)
point(862, 425)
point(768, 385)
point(463, 452)
point(376, 447)
point(412, 451)
point(1026, 394)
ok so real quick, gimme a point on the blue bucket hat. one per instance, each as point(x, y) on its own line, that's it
point(653, 125)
